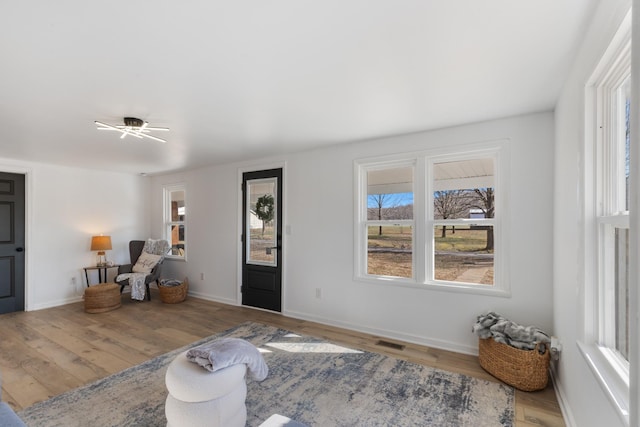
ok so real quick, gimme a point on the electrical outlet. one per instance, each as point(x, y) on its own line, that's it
point(201, 276)
point(73, 282)
point(556, 348)
point(318, 293)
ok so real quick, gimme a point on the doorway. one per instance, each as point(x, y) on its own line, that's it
point(262, 239)
point(12, 239)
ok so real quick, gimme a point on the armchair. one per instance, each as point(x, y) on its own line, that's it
point(135, 250)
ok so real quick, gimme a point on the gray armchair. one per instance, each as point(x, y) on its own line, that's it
point(135, 249)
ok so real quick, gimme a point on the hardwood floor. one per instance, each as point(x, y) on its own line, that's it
point(47, 352)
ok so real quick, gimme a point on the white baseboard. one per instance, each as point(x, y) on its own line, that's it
point(414, 339)
point(567, 414)
point(56, 303)
point(212, 298)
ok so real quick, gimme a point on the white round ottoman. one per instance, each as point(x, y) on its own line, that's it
point(198, 397)
point(225, 411)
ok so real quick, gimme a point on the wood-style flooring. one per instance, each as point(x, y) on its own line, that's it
point(47, 352)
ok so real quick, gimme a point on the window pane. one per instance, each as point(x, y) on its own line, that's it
point(261, 220)
point(177, 206)
point(623, 108)
point(622, 291)
point(464, 189)
point(177, 240)
point(174, 226)
point(464, 254)
point(390, 250)
point(390, 194)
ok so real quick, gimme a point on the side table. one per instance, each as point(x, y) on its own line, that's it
point(100, 269)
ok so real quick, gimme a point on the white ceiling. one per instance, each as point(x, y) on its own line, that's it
point(247, 79)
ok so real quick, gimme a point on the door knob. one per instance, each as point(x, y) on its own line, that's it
point(19, 249)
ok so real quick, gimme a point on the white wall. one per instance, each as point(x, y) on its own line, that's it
point(319, 251)
point(584, 402)
point(65, 207)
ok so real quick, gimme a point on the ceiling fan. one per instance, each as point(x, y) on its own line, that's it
point(134, 127)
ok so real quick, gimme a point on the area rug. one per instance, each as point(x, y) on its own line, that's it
point(310, 380)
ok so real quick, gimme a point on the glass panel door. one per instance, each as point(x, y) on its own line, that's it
point(262, 239)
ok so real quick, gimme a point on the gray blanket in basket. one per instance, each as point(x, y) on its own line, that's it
point(503, 330)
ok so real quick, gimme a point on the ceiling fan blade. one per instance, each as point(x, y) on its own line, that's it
point(155, 128)
point(132, 133)
point(155, 138)
point(105, 126)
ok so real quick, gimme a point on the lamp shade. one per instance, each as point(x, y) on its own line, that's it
point(101, 243)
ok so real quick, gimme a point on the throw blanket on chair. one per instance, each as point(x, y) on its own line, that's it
point(156, 247)
point(137, 279)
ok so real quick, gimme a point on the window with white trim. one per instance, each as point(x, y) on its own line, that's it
point(606, 272)
point(613, 216)
point(389, 220)
point(174, 219)
point(462, 219)
point(433, 219)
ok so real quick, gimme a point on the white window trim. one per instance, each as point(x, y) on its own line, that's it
point(611, 373)
point(422, 205)
point(166, 217)
point(500, 286)
point(361, 222)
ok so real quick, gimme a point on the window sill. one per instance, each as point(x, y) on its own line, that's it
point(449, 287)
point(615, 387)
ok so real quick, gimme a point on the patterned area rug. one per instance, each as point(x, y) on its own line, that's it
point(310, 380)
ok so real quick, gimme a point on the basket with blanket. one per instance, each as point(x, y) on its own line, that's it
point(173, 291)
point(515, 354)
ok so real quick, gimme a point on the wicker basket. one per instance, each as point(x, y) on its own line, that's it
point(526, 370)
point(174, 294)
point(101, 298)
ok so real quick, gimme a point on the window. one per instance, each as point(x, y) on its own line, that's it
point(174, 220)
point(462, 223)
point(433, 220)
point(606, 275)
point(613, 217)
point(389, 220)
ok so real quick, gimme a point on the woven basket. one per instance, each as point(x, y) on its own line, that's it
point(174, 294)
point(101, 298)
point(526, 370)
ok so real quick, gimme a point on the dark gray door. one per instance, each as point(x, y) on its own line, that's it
point(262, 239)
point(12, 216)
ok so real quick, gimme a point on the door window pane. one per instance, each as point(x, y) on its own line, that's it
point(261, 221)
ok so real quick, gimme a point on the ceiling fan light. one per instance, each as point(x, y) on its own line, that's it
point(134, 127)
